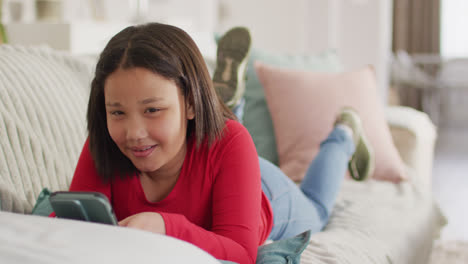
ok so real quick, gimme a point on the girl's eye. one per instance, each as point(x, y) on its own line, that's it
point(151, 110)
point(116, 113)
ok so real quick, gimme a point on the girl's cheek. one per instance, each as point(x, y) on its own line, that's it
point(115, 132)
point(161, 131)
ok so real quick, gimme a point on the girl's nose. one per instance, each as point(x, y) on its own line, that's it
point(136, 130)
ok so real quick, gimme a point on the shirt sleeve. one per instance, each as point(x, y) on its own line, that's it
point(236, 207)
point(86, 177)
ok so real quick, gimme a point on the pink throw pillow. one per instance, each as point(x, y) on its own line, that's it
point(303, 107)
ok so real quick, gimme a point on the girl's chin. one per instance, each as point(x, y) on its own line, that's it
point(146, 169)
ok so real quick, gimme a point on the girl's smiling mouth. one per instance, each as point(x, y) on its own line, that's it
point(142, 151)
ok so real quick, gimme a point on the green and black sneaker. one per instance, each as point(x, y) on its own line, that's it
point(231, 65)
point(362, 163)
point(3, 37)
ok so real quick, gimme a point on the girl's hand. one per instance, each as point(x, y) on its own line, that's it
point(148, 221)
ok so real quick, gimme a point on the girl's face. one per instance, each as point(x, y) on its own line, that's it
point(147, 118)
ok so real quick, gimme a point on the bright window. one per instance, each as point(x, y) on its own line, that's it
point(454, 25)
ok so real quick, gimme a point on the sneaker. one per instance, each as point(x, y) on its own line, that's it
point(231, 64)
point(362, 162)
point(3, 37)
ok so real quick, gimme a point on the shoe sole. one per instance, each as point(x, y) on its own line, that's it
point(363, 147)
point(231, 63)
point(353, 165)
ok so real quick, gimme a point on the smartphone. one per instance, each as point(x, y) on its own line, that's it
point(84, 206)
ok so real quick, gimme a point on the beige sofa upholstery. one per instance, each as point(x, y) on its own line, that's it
point(44, 96)
point(414, 136)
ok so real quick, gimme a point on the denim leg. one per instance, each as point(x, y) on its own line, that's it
point(295, 209)
point(323, 178)
point(238, 109)
point(292, 211)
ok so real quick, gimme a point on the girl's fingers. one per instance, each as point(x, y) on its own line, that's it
point(125, 221)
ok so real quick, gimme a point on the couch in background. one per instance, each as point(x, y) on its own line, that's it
point(44, 96)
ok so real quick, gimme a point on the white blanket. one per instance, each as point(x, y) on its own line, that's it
point(28, 239)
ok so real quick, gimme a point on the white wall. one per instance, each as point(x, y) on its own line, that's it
point(199, 15)
point(276, 25)
point(360, 30)
point(365, 36)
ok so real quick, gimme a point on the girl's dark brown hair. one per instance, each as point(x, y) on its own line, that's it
point(169, 52)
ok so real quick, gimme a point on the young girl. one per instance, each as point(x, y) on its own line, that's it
point(172, 160)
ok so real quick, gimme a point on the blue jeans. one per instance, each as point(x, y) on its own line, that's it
point(238, 110)
point(307, 207)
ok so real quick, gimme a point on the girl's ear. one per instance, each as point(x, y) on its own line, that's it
point(190, 113)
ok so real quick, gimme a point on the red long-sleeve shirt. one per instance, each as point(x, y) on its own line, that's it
point(217, 203)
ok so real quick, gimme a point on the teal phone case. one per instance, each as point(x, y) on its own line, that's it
point(84, 206)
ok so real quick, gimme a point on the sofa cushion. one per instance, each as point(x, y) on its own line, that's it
point(257, 117)
point(44, 95)
point(304, 105)
point(378, 222)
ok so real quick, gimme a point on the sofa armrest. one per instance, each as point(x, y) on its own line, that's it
point(414, 136)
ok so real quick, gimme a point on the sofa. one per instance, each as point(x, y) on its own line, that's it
point(44, 93)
